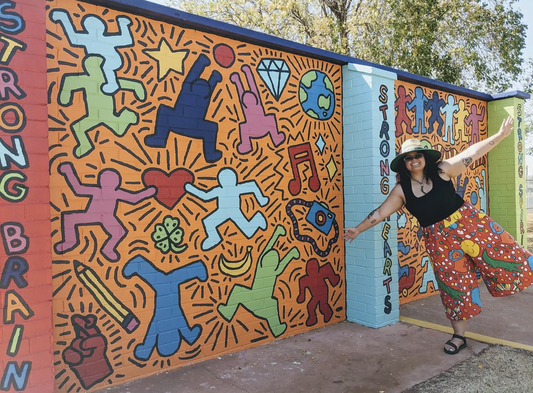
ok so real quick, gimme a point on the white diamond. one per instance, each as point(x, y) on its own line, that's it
point(275, 73)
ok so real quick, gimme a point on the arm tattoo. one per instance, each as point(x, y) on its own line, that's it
point(491, 143)
point(467, 161)
point(370, 216)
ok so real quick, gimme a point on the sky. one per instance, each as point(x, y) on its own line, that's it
point(525, 6)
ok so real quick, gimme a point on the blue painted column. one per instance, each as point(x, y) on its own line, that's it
point(371, 259)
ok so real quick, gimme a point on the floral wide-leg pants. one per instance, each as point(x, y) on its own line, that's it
point(469, 240)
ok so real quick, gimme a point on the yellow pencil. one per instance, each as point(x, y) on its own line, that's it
point(105, 298)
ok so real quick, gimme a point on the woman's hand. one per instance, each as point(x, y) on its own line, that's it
point(506, 127)
point(350, 234)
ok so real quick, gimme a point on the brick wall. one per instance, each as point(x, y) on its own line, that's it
point(25, 285)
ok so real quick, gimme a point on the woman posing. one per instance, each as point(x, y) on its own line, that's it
point(459, 238)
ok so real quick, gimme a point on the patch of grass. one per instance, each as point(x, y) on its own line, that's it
point(495, 370)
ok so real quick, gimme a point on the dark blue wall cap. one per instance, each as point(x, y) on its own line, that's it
point(511, 94)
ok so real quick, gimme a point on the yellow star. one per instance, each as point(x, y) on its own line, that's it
point(167, 59)
point(414, 222)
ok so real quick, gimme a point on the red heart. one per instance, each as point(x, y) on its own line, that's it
point(170, 187)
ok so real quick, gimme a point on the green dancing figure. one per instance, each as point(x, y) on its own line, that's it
point(259, 299)
point(99, 107)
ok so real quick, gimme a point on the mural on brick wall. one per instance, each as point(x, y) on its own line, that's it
point(449, 123)
point(196, 194)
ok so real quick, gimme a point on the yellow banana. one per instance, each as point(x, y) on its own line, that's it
point(236, 268)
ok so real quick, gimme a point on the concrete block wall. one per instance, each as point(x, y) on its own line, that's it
point(129, 298)
point(371, 260)
point(25, 258)
point(507, 174)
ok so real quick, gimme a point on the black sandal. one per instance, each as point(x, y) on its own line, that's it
point(455, 349)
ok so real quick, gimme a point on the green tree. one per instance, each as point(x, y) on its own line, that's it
point(471, 43)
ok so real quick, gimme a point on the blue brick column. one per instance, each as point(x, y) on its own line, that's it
point(371, 259)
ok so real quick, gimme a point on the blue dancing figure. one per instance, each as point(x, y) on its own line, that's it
point(168, 325)
point(418, 104)
point(187, 117)
point(434, 105)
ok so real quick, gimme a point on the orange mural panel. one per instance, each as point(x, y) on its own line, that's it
point(196, 194)
point(449, 123)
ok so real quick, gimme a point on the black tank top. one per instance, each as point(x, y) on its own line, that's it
point(436, 205)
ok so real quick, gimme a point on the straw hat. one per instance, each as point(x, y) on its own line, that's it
point(411, 145)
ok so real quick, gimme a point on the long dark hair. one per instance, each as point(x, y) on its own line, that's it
point(431, 170)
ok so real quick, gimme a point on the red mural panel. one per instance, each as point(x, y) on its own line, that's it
point(25, 254)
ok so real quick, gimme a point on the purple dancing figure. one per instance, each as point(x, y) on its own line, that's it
point(257, 124)
point(101, 209)
point(187, 117)
point(474, 119)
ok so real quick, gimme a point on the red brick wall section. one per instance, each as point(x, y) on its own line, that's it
point(26, 351)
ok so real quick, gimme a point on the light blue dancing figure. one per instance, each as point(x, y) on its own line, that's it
point(228, 195)
point(449, 110)
point(97, 41)
point(481, 191)
point(418, 103)
point(428, 276)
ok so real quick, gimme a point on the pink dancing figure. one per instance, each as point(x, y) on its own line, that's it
point(101, 209)
point(257, 124)
point(474, 119)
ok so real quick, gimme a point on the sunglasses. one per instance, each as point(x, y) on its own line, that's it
point(417, 156)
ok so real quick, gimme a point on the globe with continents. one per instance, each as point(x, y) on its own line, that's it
point(316, 95)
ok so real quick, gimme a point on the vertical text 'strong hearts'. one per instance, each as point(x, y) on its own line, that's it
point(170, 187)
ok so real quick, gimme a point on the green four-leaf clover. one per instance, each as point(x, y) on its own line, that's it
point(168, 235)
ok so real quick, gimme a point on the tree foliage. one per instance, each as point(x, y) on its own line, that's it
point(471, 43)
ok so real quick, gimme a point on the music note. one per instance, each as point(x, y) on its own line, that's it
point(299, 154)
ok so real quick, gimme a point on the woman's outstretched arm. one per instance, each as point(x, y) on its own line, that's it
point(394, 202)
point(455, 165)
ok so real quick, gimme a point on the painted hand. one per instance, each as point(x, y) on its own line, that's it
point(65, 168)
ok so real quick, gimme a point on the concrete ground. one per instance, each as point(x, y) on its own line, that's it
point(348, 357)
point(505, 318)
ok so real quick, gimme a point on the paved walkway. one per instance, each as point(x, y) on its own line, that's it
point(348, 357)
point(506, 320)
